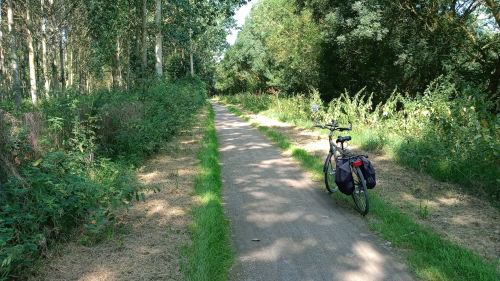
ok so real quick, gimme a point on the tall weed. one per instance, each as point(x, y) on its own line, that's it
point(446, 132)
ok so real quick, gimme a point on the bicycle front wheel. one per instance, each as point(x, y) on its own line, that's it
point(360, 194)
point(329, 171)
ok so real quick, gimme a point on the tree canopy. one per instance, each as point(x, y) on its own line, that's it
point(377, 44)
point(85, 45)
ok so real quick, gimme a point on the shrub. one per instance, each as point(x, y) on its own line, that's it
point(446, 132)
point(81, 171)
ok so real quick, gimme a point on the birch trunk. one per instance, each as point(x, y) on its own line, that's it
point(159, 39)
point(61, 59)
point(16, 83)
point(144, 43)
point(71, 67)
point(31, 60)
point(45, 68)
point(119, 62)
point(191, 62)
point(55, 78)
point(53, 31)
point(2, 61)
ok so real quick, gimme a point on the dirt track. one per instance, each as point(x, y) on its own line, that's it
point(284, 226)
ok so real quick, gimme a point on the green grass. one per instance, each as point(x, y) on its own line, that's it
point(429, 256)
point(210, 254)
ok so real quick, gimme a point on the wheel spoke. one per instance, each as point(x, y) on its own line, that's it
point(360, 195)
point(330, 175)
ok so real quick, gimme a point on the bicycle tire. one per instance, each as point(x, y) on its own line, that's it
point(329, 171)
point(360, 194)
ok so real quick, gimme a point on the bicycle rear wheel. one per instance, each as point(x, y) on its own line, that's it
point(360, 194)
point(329, 171)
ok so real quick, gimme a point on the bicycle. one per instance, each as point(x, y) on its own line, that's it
point(360, 193)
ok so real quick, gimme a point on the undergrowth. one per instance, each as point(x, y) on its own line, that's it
point(71, 163)
point(210, 255)
point(428, 255)
point(448, 134)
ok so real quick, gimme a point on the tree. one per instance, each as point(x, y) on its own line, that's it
point(277, 48)
point(43, 24)
point(31, 59)
point(144, 56)
point(382, 44)
point(16, 87)
point(84, 45)
point(2, 58)
point(159, 40)
point(495, 75)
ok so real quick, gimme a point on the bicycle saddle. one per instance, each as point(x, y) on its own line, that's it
point(343, 139)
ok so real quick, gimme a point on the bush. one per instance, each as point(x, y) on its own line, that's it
point(78, 171)
point(449, 133)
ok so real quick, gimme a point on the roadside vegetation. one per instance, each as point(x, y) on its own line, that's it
point(428, 255)
point(77, 167)
point(455, 140)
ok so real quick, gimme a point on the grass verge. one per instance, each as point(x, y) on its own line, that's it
point(210, 254)
point(429, 256)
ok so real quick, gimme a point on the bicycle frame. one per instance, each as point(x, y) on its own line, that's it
point(334, 148)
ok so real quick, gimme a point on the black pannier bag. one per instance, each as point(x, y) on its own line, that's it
point(369, 174)
point(343, 177)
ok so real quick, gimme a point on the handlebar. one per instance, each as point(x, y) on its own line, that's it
point(333, 126)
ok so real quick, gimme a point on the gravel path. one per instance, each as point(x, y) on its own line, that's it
point(284, 226)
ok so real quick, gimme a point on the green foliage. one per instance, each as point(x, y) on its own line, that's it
point(255, 103)
point(135, 128)
point(447, 133)
point(338, 46)
point(423, 210)
point(80, 172)
point(277, 49)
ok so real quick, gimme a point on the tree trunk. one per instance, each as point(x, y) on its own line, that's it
point(71, 67)
point(493, 85)
point(495, 75)
point(144, 57)
point(81, 76)
point(61, 59)
point(191, 62)
point(159, 40)
point(87, 84)
point(119, 62)
point(2, 61)
point(53, 32)
point(44, 51)
point(55, 78)
point(31, 60)
point(128, 51)
point(16, 83)
point(78, 69)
